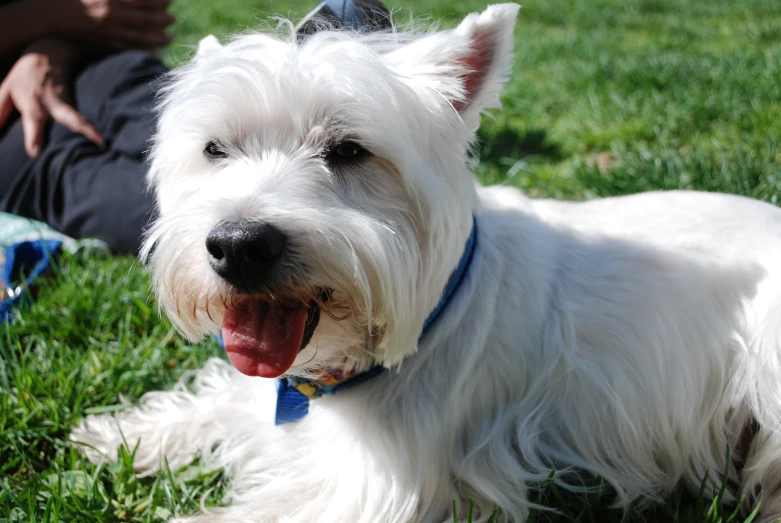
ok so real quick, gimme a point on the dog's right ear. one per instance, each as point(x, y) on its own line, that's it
point(468, 65)
point(207, 46)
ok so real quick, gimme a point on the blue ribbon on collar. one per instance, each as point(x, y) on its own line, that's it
point(292, 405)
point(347, 12)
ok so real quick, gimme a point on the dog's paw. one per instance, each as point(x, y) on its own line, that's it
point(99, 437)
point(227, 515)
point(152, 433)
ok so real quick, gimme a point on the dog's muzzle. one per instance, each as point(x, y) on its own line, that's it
point(243, 252)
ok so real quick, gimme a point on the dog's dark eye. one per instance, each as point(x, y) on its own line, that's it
point(345, 153)
point(213, 151)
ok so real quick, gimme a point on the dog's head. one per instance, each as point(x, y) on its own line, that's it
point(314, 197)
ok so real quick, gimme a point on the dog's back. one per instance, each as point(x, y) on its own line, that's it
point(659, 340)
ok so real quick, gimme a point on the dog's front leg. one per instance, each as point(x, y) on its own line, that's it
point(174, 425)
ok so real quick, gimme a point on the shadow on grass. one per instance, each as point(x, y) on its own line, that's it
point(508, 145)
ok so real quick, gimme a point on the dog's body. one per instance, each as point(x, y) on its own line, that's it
point(633, 338)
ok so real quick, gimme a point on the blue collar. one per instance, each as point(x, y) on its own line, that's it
point(294, 393)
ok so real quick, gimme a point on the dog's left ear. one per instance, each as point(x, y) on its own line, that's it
point(207, 46)
point(468, 65)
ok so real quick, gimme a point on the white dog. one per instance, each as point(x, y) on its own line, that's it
point(317, 207)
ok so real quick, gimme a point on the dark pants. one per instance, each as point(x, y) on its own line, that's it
point(74, 185)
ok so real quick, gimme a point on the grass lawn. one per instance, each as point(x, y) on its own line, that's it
point(607, 97)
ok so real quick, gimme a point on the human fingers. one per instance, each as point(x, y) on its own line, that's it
point(69, 117)
point(6, 104)
point(34, 116)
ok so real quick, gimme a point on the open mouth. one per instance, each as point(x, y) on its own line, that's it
point(263, 337)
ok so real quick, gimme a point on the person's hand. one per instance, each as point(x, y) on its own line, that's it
point(37, 86)
point(123, 24)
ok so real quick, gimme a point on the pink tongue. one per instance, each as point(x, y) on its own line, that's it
point(263, 341)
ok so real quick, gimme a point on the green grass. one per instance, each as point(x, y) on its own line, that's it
point(607, 97)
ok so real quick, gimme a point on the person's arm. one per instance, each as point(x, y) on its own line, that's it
point(23, 22)
point(104, 23)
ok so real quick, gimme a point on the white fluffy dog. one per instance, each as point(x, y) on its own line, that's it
point(316, 206)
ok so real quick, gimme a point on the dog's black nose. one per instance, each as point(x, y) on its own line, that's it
point(244, 252)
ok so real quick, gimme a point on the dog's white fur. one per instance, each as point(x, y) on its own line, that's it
point(630, 338)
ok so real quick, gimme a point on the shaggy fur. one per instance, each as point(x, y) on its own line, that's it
point(631, 338)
